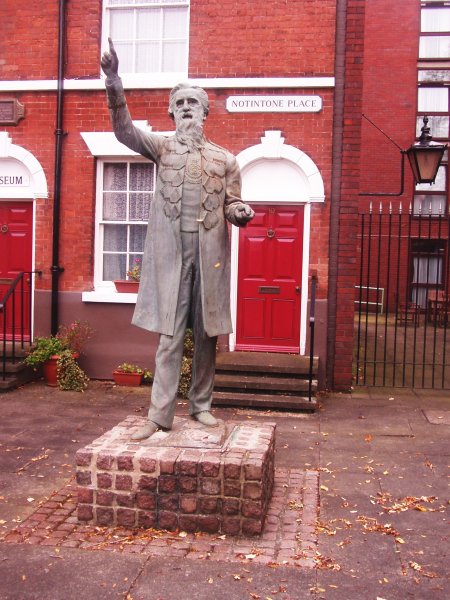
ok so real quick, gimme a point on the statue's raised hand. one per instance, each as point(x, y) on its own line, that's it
point(110, 62)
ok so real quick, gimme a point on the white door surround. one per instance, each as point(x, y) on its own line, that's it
point(276, 173)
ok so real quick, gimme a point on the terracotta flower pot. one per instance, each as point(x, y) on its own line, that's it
point(129, 379)
point(126, 286)
point(50, 369)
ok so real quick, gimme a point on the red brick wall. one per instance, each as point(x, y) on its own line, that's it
point(389, 94)
point(381, 82)
point(231, 38)
point(348, 221)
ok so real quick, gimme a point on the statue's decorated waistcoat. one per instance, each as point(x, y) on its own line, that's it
point(161, 267)
point(172, 174)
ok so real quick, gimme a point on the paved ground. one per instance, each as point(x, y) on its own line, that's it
point(360, 508)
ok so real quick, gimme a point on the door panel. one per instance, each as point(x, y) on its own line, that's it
point(16, 239)
point(269, 276)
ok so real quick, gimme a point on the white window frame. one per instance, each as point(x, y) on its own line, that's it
point(159, 78)
point(99, 283)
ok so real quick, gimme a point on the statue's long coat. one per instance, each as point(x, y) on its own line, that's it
point(161, 267)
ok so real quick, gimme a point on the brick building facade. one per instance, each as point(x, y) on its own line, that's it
point(302, 166)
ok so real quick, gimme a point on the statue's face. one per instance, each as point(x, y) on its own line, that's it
point(187, 108)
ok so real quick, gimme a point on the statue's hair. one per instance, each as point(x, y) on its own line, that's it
point(203, 96)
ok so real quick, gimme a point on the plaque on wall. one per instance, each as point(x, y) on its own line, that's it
point(11, 111)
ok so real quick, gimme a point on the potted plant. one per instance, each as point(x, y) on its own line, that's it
point(49, 351)
point(128, 374)
point(131, 284)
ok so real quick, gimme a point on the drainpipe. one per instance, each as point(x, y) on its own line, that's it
point(56, 269)
point(338, 126)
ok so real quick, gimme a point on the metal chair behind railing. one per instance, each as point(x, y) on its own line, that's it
point(15, 318)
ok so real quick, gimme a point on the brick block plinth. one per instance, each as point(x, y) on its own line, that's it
point(216, 480)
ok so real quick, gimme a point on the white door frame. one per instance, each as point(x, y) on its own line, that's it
point(276, 173)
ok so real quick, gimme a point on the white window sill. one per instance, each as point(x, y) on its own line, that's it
point(108, 296)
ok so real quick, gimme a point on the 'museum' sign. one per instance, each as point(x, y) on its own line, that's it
point(274, 103)
point(13, 174)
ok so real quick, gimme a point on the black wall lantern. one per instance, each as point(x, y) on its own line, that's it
point(424, 156)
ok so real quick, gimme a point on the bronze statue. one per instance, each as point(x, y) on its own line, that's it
point(185, 273)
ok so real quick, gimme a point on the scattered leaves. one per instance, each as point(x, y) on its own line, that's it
point(324, 562)
point(408, 502)
point(419, 569)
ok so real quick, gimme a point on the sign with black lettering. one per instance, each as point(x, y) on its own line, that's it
point(13, 174)
point(296, 103)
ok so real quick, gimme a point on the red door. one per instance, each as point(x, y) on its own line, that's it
point(269, 276)
point(16, 242)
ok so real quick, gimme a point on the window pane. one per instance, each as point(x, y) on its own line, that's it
point(433, 204)
point(115, 176)
point(433, 100)
point(174, 56)
point(149, 24)
point(141, 177)
point(147, 57)
point(122, 24)
point(434, 76)
point(125, 53)
point(437, 19)
point(115, 238)
point(137, 237)
point(174, 23)
point(434, 46)
point(114, 266)
point(139, 207)
point(438, 126)
point(114, 206)
point(427, 269)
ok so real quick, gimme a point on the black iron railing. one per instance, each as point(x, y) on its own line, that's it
point(15, 318)
point(312, 313)
point(402, 298)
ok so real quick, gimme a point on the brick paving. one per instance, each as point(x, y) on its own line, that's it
point(288, 538)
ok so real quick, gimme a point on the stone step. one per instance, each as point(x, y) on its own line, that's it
point(16, 374)
point(280, 401)
point(18, 350)
point(265, 362)
point(273, 383)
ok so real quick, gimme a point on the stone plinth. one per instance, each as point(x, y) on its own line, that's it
point(217, 480)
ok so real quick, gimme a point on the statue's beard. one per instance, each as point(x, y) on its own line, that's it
point(190, 132)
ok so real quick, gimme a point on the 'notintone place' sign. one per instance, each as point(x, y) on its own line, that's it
point(274, 103)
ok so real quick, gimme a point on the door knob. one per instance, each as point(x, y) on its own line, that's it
point(298, 289)
point(4, 228)
point(270, 233)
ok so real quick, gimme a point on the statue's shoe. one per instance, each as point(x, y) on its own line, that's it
point(205, 418)
point(145, 431)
